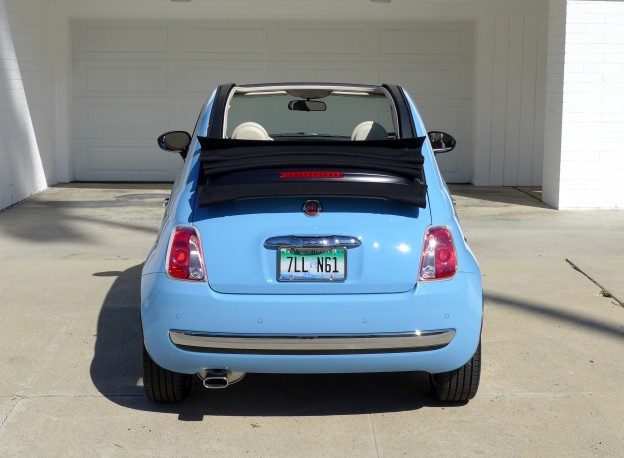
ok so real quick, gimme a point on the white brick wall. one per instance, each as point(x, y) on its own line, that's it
point(590, 156)
point(554, 98)
point(26, 100)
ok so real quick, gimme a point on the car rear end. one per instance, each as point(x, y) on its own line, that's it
point(366, 277)
point(277, 291)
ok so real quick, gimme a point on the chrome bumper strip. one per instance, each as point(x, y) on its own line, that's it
point(312, 344)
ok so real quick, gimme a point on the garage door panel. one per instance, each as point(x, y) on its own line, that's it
point(120, 118)
point(224, 39)
point(115, 37)
point(408, 41)
point(121, 160)
point(130, 78)
point(122, 77)
point(322, 40)
point(432, 80)
point(127, 40)
point(326, 71)
point(133, 80)
point(137, 159)
point(198, 79)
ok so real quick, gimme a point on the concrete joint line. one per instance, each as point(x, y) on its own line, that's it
point(528, 194)
point(372, 426)
point(550, 395)
point(602, 288)
point(49, 350)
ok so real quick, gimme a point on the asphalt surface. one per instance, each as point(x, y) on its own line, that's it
point(553, 365)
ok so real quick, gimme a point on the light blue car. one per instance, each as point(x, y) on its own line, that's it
point(309, 231)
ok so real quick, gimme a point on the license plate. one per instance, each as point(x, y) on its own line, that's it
point(312, 264)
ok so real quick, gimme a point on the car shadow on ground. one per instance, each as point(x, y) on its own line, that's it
point(117, 374)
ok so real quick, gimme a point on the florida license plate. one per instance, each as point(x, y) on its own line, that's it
point(312, 264)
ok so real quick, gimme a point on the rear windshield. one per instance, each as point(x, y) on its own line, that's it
point(317, 114)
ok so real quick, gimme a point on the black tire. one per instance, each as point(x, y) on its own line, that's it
point(162, 385)
point(460, 385)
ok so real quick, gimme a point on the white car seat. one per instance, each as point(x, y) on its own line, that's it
point(250, 131)
point(369, 130)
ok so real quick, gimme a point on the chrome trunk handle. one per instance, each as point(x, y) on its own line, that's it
point(328, 241)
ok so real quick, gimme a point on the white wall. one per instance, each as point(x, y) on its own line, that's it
point(586, 96)
point(508, 96)
point(510, 86)
point(554, 99)
point(27, 148)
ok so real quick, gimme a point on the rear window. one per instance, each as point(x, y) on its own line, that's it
point(316, 114)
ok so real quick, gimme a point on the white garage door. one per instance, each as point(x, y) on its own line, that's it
point(135, 80)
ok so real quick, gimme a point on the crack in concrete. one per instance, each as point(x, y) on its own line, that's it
point(18, 400)
point(21, 398)
point(76, 396)
point(602, 288)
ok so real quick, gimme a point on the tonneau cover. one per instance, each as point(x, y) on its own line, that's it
point(401, 158)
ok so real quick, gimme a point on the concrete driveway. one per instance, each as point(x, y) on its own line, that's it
point(553, 375)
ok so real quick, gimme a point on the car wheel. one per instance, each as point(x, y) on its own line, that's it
point(461, 384)
point(162, 385)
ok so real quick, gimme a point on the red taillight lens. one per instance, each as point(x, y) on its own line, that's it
point(439, 259)
point(311, 175)
point(185, 259)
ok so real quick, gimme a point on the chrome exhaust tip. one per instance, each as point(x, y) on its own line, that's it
point(215, 379)
point(215, 383)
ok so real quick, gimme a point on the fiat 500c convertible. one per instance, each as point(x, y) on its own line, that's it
point(309, 231)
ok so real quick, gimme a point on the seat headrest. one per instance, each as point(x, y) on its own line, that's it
point(369, 130)
point(250, 131)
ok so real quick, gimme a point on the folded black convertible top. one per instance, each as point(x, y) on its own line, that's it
point(250, 158)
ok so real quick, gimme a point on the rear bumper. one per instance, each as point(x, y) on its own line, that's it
point(187, 328)
point(312, 344)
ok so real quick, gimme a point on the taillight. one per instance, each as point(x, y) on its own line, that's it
point(439, 259)
point(185, 260)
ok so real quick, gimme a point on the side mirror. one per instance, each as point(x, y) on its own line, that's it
point(441, 142)
point(177, 141)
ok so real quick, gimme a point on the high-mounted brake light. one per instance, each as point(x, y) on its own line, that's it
point(439, 259)
point(185, 260)
point(313, 174)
